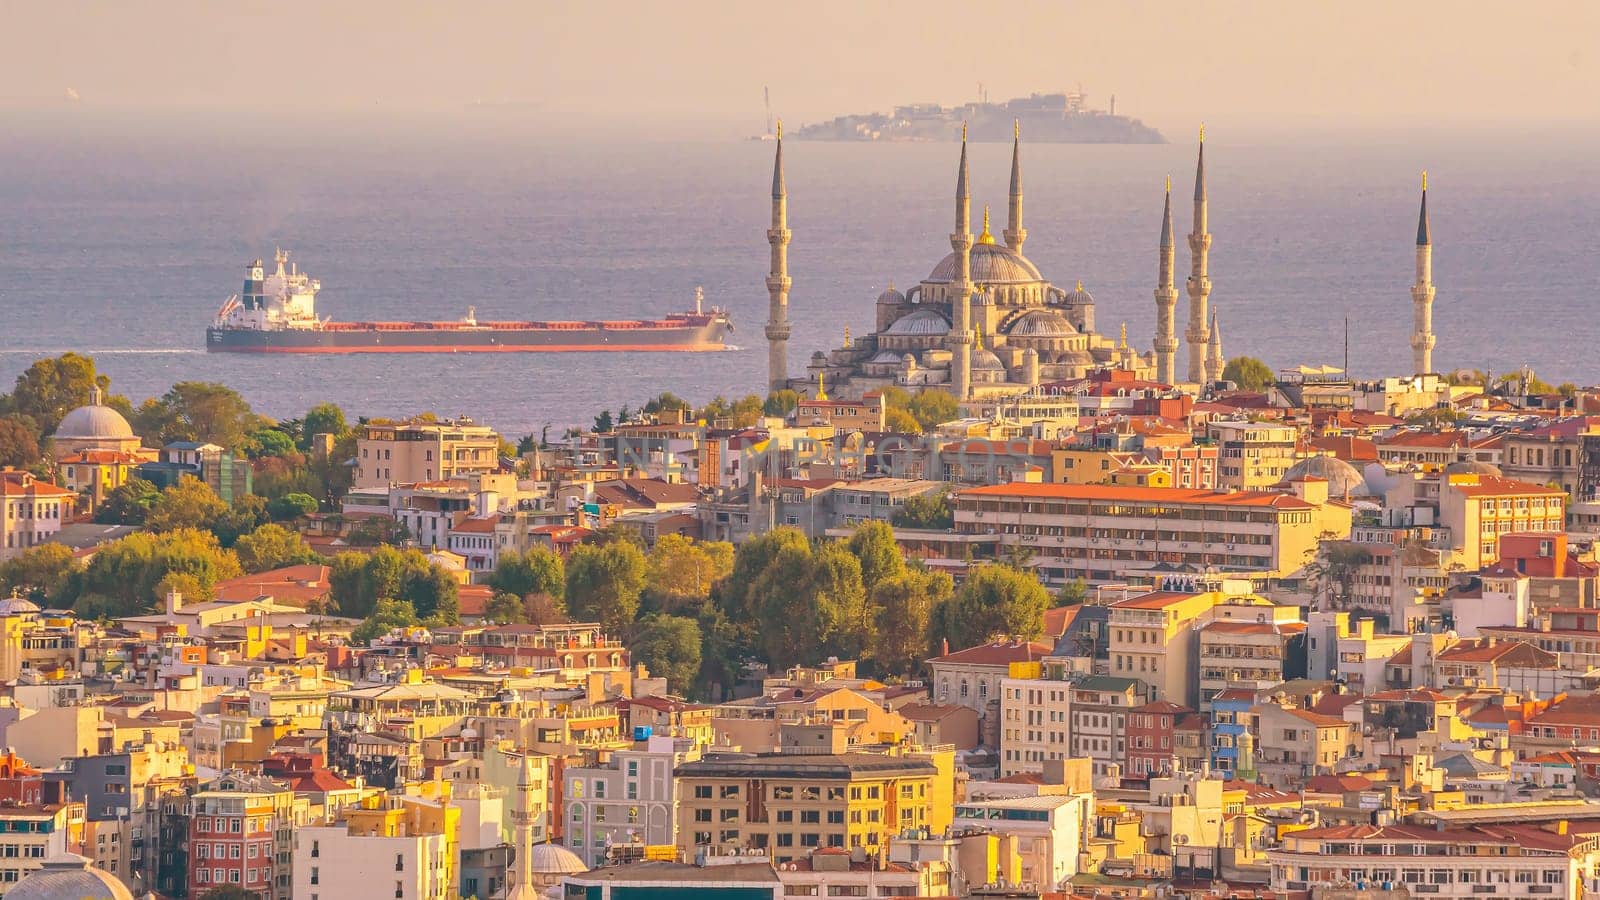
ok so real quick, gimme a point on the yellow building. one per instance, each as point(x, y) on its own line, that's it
point(411, 841)
point(1157, 637)
point(416, 451)
point(94, 474)
point(789, 804)
point(1477, 509)
point(1252, 455)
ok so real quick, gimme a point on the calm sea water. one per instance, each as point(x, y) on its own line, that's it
point(120, 240)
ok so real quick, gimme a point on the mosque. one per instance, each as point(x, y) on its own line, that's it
point(985, 323)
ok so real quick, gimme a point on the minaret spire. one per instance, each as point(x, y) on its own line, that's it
point(960, 290)
point(1214, 361)
point(1166, 342)
point(522, 817)
point(1199, 283)
point(1422, 339)
point(778, 282)
point(1015, 234)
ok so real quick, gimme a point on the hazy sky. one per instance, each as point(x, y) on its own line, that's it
point(1255, 63)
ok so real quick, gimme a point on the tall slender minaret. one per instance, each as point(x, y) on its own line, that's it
point(960, 338)
point(1199, 285)
point(1015, 234)
point(778, 329)
point(1166, 342)
point(1214, 361)
point(1422, 339)
point(522, 821)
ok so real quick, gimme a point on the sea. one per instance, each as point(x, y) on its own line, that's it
point(121, 236)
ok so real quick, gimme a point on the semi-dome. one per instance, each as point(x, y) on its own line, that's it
point(887, 358)
point(95, 421)
point(69, 877)
point(1344, 480)
point(1041, 323)
point(921, 323)
point(17, 606)
point(1472, 467)
point(985, 361)
point(1079, 296)
point(991, 264)
point(551, 859)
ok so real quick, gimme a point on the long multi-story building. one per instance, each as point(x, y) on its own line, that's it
point(239, 836)
point(788, 804)
point(1252, 455)
point(409, 452)
point(32, 513)
point(1108, 533)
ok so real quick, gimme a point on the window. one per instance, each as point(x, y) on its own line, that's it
point(316, 849)
point(399, 862)
point(315, 875)
point(702, 792)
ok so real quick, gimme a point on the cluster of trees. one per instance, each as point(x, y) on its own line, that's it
point(909, 413)
point(916, 413)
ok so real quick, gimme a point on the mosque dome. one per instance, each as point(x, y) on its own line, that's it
point(887, 358)
point(991, 264)
point(69, 877)
point(550, 859)
point(1344, 480)
point(1077, 358)
point(17, 606)
point(1079, 296)
point(985, 361)
point(891, 296)
point(1041, 323)
point(95, 422)
point(921, 323)
point(1472, 467)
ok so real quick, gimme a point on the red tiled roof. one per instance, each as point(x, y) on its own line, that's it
point(1490, 486)
point(1002, 653)
point(1177, 496)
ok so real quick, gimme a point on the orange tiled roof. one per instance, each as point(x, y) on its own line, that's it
point(1176, 496)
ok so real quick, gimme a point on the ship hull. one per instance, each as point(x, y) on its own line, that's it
point(687, 337)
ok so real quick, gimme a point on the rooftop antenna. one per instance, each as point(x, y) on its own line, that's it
point(1347, 347)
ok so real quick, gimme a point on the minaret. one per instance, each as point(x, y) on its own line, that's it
point(1199, 283)
point(1166, 342)
point(1214, 361)
point(778, 282)
point(960, 338)
point(1422, 339)
point(1015, 234)
point(522, 835)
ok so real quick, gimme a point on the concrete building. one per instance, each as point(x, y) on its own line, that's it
point(240, 831)
point(1478, 509)
point(33, 833)
point(1049, 831)
point(1158, 638)
point(633, 798)
point(418, 451)
point(32, 511)
point(1099, 709)
point(973, 677)
point(1035, 719)
point(409, 842)
point(1252, 456)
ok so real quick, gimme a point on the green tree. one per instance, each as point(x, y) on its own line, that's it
point(245, 514)
point(780, 403)
point(1073, 593)
point(669, 647)
point(930, 511)
point(905, 606)
point(386, 616)
point(198, 411)
point(19, 443)
point(812, 605)
point(265, 442)
point(932, 407)
point(604, 583)
point(128, 504)
point(230, 892)
point(272, 547)
point(357, 582)
point(993, 600)
point(50, 388)
point(679, 572)
point(324, 418)
point(901, 422)
point(122, 576)
point(737, 595)
point(615, 532)
point(1249, 373)
point(506, 609)
point(603, 423)
point(292, 506)
point(666, 401)
point(874, 547)
point(539, 571)
point(374, 531)
point(43, 573)
point(191, 503)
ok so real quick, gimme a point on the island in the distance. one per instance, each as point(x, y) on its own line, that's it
point(1060, 118)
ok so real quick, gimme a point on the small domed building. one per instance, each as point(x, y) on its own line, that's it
point(69, 877)
point(94, 427)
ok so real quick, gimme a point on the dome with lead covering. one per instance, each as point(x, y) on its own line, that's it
point(921, 323)
point(891, 296)
point(17, 606)
point(1041, 323)
point(985, 361)
point(95, 421)
point(991, 264)
point(1343, 479)
point(69, 877)
point(554, 859)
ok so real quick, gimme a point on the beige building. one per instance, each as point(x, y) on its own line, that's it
point(33, 511)
point(1157, 638)
point(1296, 743)
point(1245, 653)
point(416, 451)
point(404, 840)
point(1252, 455)
point(1478, 509)
point(1106, 533)
point(789, 804)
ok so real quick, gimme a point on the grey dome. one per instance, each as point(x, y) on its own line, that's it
point(1343, 479)
point(94, 421)
point(550, 859)
point(1041, 323)
point(985, 361)
point(991, 264)
point(1078, 358)
point(17, 606)
point(922, 323)
point(891, 296)
point(69, 877)
point(1079, 296)
point(887, 358)
point(1472, 467)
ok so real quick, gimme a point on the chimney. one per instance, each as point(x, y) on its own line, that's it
point(174, 602)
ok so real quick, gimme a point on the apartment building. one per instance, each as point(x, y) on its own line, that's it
point(1246, 654)
point(1099, 710)
point(1107, 533)
point(1158, 639)
point(632, 798)
point(239, 836)
point(32, 833)
point(972, 678)
point(1252, 455)
point(32, 512)
point(789, 804)
point(1035, 718)
point(400, 846)
point(1478, 509)
point(409, 452)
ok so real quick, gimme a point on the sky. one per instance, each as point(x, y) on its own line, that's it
point(693, 65)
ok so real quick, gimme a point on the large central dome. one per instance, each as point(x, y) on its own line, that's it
point(991, 264)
